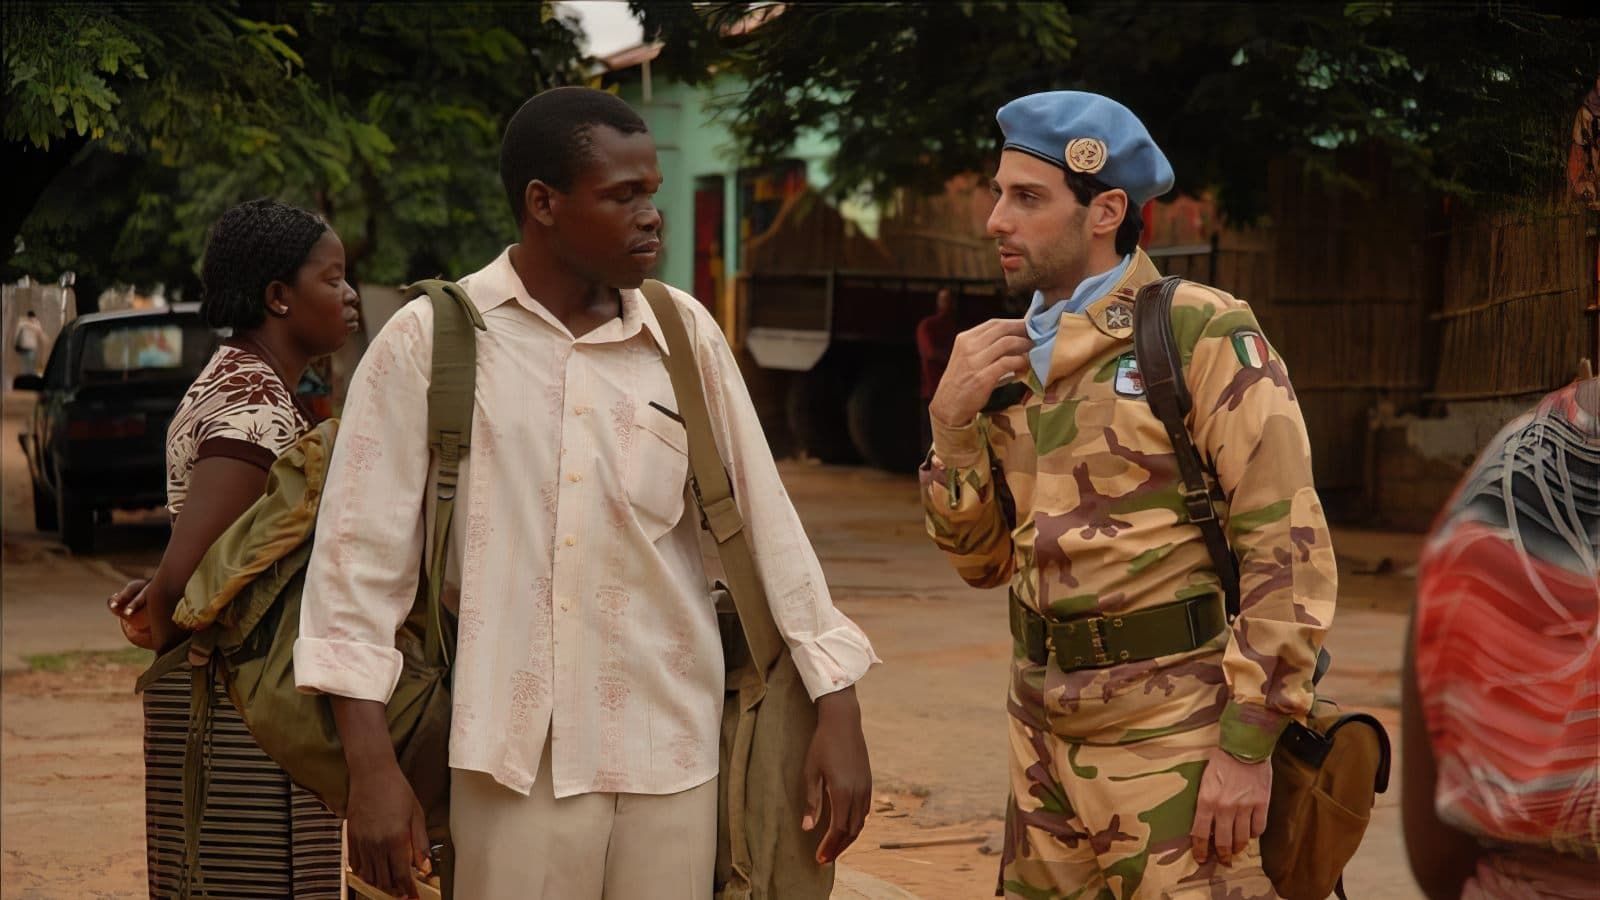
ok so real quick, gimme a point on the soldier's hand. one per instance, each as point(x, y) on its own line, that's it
point(980, 361)
point(1232, 807)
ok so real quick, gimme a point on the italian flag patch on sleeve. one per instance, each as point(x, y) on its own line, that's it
point(1251, 348)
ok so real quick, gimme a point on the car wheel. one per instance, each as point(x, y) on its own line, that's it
point(882, 412)
point(76, 523)
point(816, 411)
point(44, 508)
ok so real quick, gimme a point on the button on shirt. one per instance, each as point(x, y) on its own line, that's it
point(585, 611)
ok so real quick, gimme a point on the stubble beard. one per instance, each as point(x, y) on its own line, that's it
point(1054, 270)
point(1022, 281)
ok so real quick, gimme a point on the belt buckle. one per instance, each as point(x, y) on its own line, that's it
point(1097, 639)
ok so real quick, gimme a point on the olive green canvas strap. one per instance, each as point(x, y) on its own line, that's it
point(196, 770)
point(451, 398)
point(713, 492)
point(450, 402)
point(169, 661)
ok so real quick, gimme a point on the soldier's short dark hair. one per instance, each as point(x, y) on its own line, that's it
point(1087, 187)
point(250, 247)
point(548, 138)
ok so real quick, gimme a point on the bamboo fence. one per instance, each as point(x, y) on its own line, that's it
point(1516, 285)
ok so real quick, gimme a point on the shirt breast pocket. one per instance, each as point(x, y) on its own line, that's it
point(658, 469)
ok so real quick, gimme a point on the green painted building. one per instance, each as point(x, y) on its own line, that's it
point(711, 204)
point(842, 397)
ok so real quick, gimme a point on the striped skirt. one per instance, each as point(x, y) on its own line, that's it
point(261, 836)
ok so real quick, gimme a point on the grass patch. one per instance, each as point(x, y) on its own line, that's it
point(77, 659)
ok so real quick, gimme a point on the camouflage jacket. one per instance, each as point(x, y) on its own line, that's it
point(1100, 530)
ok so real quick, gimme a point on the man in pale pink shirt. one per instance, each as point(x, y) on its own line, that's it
point(588, 678)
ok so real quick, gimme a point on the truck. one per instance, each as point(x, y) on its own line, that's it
point(847, 340)
point(843, 347)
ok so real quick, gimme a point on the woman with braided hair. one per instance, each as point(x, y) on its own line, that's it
point(275, 275)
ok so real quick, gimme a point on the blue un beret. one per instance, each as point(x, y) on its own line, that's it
point(1090, 134)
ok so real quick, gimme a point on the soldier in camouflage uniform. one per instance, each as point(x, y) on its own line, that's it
point(1141, 721)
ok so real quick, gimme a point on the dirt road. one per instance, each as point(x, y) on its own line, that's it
point(70, 770)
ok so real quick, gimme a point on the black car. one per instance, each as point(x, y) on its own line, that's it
point(97, 439)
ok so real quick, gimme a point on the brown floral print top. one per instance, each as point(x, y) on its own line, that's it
point(238, 407)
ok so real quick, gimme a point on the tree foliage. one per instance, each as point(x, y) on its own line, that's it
point(143, 121)
point(1469, 98)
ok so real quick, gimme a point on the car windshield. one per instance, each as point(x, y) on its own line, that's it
point(126, 351)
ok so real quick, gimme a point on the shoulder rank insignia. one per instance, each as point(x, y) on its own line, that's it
point(1115, 318)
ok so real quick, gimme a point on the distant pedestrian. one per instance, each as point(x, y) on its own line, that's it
point(29, 339)
point(936, 336)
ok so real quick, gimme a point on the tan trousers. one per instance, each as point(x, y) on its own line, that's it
point(587, 847)
point(1113, 822)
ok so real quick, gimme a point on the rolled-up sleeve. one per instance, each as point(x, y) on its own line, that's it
point(362, 578)
point(830, 651)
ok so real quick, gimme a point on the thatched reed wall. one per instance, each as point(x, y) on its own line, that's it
point(1516, 284)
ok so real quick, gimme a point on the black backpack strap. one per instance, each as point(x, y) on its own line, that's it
point(1155, 349)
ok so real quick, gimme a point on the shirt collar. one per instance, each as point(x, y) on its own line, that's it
point(634, 304)
point(498, 284)
point(1043, 314)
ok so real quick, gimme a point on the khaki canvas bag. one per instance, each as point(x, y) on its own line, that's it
point(248, 588)
point(1325, 773)
point(767, 716)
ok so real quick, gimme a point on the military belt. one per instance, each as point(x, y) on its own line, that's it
point(1098, 641)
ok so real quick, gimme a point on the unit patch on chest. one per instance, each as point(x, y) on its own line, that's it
point(1128, 383)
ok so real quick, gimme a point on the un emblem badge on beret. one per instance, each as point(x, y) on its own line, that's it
point(1086, 155)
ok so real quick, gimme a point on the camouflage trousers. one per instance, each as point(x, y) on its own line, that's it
point(1091, 822)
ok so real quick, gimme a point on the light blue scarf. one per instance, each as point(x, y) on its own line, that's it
point(1044, 321)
